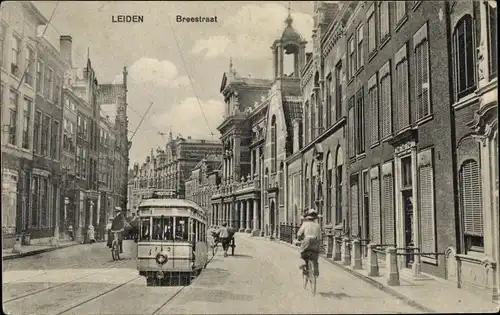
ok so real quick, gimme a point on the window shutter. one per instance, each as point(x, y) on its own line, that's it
point(354, 208)
point(375, 207)
point(388, 215)
point(471, 198)
point(425, 106)
point(351, 128)
point(405, 98)
point(426, 206)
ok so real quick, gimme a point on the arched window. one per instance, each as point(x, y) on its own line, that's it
point(282, 184)
point(306, 187)
point(338, 185)
point(313, 184)
point(472, 206)
point(329, 188)
point(273, 145)
point(464, 59)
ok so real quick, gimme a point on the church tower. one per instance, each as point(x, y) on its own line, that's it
point(290, 43)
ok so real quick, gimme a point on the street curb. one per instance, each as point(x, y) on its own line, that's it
point(36, 252)
point(374, 283)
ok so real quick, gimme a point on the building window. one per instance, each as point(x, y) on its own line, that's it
point(384, 19)
point(329, 188)
point(314, 177)
point(360, 60)
point(338, 186)
point(376, 226)
point(85, 129)
point(78, 161)
point(387, 209)
point(45, 143)
point(57, 90)
point(351, 128)
point(338, 91)
point(49, 78)
point(266, 186)
point(402, 97)
point(406, 177)
point(491, 11)
point(306, 186)
point(360, 122)
point(386, 100)
point(352, 57)
point(39, 76)
point(426, 202)
point(329, 92)
point(35, 202)
point(44, 202)
point(472, 206)
point(400, 11)
point(84, 168)
point(282, 184)
point(463, 51)
point(354, 206)
point(372, 38)
point(26, 123)
point(314, 128)
point(37, 132)
point(373, 109)
point(16, 56)
point(13, 109)
point(54, 143)
point(28, 75)
point(422, 88)
point(273, 145)
point(319, 103)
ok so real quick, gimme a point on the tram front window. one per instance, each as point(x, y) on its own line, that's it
point(181, 229)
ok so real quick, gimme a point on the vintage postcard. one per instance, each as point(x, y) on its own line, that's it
point(249, 157)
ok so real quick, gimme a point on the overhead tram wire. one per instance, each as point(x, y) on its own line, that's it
point(37, 42)
point(140, 122)
point(189, 77)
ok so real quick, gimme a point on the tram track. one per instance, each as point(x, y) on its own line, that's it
point(170, 299)
point(112, 265)
point(45, 271)
point(99, 295)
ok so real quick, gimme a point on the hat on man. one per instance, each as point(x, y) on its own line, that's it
point(311, 214)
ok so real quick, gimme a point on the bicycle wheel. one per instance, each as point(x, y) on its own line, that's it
point(115, 251)
point(312, 277)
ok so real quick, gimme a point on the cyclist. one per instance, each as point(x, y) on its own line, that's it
point(118, 224)
point(310, 245)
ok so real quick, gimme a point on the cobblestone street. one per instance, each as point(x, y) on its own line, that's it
point(262, 277)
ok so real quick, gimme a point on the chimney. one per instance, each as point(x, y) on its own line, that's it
point(65, 43)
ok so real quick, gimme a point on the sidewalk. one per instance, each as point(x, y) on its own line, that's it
point(30, 250)
point(427, 293)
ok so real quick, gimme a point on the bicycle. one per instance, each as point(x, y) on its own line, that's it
point(310, 277)
point(115, 245)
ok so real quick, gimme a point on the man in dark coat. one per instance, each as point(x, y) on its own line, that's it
point(118, 224)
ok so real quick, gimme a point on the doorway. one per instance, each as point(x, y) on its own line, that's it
point(408, 223)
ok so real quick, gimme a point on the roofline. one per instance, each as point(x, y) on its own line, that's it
point(32, 7)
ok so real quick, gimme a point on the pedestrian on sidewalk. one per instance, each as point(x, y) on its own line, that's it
point(91, 234)
point(70, 232)
point(224, 237)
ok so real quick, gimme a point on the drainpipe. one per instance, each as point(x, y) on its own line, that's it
point(453, 138)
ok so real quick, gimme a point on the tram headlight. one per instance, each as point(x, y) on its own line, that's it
point(161, 258)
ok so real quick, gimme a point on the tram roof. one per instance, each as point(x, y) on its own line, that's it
point(170, 202)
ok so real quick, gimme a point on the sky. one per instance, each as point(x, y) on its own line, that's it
point(174, 78)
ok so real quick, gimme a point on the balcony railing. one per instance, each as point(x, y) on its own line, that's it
point(245, 183)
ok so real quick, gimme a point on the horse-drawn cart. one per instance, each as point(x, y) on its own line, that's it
point(214, 240)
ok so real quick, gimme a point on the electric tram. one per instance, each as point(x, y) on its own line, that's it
point(172, 246)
